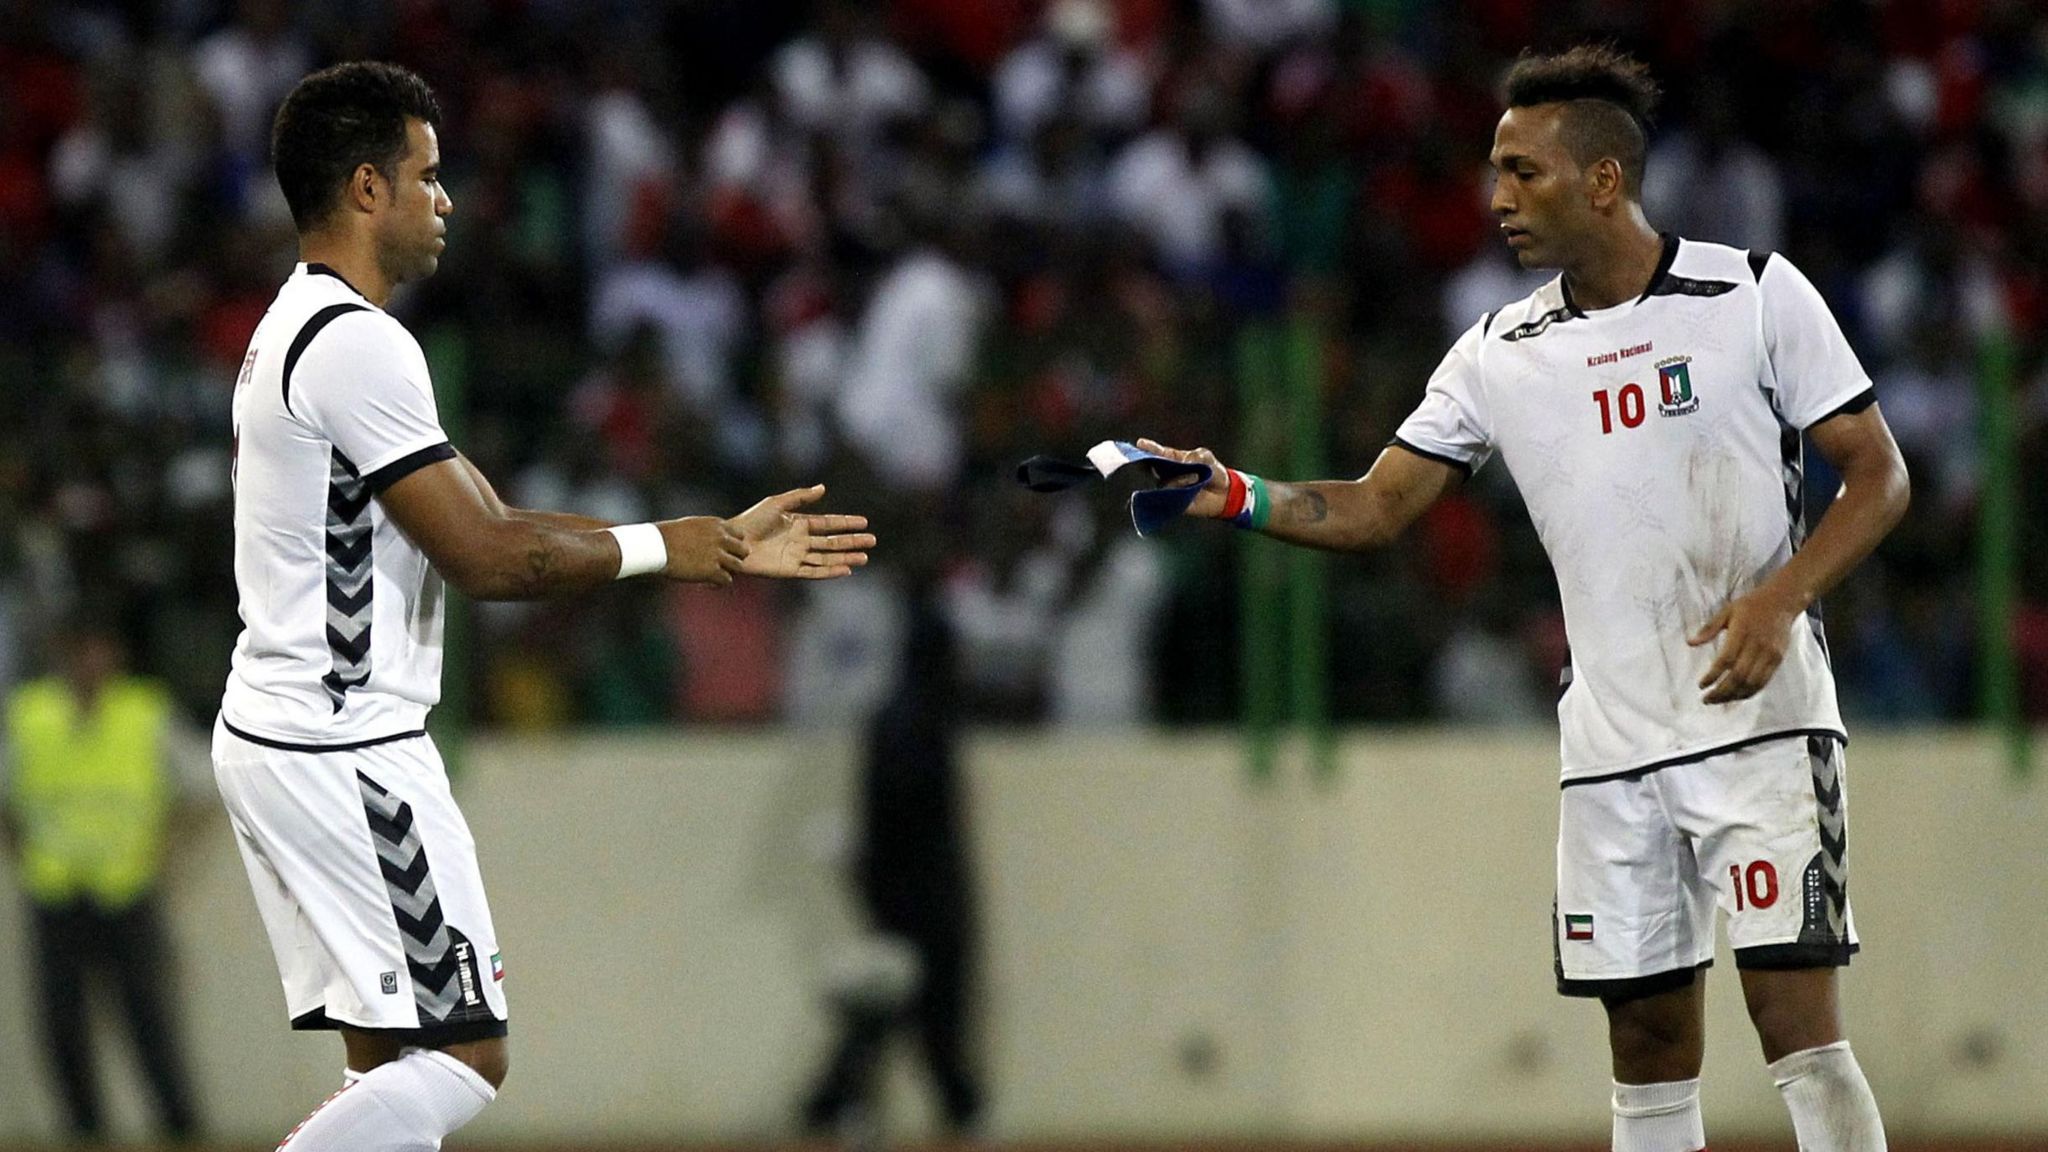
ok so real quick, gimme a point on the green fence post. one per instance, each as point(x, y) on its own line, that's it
point(1998, 551)
point(1308, 570)
point(1262, 622)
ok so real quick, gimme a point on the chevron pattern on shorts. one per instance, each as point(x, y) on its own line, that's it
point(351, 579)
point(447, 986)
point(1826, 919)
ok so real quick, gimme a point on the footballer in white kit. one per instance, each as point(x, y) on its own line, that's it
point(1652, 404)
point(1657, 446)
point(351, 508)
point(363, 868)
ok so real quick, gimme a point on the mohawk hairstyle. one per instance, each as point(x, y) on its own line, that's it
point(1609, 99)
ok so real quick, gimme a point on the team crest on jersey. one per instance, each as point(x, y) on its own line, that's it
point(1675, 377)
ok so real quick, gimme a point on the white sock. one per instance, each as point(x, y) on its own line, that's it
point(404, 1106)
point(1658, 1117)
point(1830, 1101)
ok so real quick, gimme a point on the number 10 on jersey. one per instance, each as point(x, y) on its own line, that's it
point(1627, 404)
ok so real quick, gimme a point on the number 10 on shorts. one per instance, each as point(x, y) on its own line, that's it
point(1758, 882)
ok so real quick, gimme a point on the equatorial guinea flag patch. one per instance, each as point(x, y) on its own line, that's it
point(1578, 926)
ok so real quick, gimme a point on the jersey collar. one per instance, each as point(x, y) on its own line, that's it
point(1657, 278)
point(317, 269)
point(1664, 262)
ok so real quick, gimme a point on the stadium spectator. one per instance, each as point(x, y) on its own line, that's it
point(1179, 185)
point(1073, 68)
point(912, 359)
point(630, 162)
point(1704, 179)
point(1054, 182)
point(1262, 26)
point(847, 79)
point(247, 67)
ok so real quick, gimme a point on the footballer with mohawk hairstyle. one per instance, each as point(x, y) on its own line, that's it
point(1652, 403)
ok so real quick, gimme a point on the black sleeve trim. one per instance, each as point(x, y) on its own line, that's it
point(1486, 324)
point(314, 324)
point(1757, 260)
point(408, 464)
point(1462, 467)
point(1850, 407)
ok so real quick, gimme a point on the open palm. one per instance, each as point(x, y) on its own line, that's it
point(787, 544)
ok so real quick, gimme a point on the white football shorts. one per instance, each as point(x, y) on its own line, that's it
point(1643, 861)
point(366, 877)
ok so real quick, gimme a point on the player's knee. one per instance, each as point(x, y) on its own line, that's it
point(1652, 1042)
point(1792, 1011)
point(1786, 1025)
point(1648, 1042)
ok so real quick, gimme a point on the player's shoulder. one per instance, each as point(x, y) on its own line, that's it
point(1702, 267)
point(340, 344)
point(1530, 316)
point(373, 330)
point(331, 322)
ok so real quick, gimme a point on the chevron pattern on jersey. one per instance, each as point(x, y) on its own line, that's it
point(1792, 463)
point(351, 582)
point(1792, 470)
point(1826, 916)
point(447, 985)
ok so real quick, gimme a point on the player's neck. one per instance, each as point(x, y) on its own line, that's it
point(1620, 270)
point(351, 263)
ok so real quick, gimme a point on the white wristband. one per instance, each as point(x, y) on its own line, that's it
point(641, 549)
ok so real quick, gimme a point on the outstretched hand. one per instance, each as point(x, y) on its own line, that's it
point(1757, 628)
point(1209, 503)
point(787, 544)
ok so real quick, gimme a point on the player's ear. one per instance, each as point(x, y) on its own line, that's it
point(1604, 182)
point(362, 190)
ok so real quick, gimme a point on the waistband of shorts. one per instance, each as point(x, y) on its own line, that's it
point(290, 746)
point(1643, 770)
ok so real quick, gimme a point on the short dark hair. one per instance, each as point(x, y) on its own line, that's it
point(1609, 99)
point(338, 119)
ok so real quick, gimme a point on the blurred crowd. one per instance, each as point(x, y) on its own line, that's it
point(705, 250)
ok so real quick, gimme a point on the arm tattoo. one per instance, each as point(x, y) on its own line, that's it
point(1314, 508)
point(541, 562)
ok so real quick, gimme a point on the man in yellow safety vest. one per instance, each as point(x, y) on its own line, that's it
point(89, 784)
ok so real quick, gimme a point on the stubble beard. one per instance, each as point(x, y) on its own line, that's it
point(403, 264)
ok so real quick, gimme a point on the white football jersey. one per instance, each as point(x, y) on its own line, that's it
point(341, 613)
point(1657, 446)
